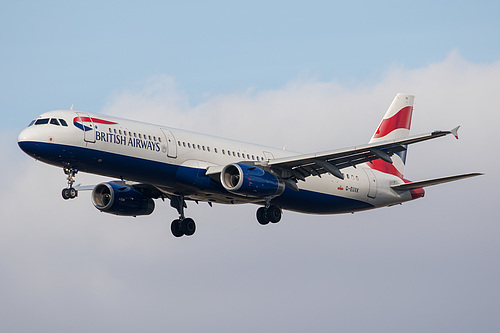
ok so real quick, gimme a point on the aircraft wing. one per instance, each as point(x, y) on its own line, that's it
point(146, 189)
point(299, 167)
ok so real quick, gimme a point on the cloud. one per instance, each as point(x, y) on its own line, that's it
point(446, 92)
point(426, 265)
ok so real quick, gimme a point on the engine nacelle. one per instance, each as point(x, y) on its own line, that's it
point(119, 199)
point(250, 181)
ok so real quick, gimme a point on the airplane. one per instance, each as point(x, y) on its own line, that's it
point(159, 162)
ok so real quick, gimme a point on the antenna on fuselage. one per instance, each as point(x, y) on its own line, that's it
point(71, 108)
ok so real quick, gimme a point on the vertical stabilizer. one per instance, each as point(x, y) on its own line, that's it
point(395, 125)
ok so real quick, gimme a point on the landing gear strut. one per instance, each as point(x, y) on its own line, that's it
point(70, 192)
point(181, 226)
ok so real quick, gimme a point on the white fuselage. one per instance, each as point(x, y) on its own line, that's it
point(176, 161)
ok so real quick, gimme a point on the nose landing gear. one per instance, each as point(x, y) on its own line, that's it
point(70, 192)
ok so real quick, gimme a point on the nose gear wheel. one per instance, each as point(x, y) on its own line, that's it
point(70, 192)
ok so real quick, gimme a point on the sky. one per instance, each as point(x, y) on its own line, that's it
point(310, 76)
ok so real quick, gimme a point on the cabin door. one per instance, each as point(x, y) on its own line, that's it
point(86, 124)
point(171, 145)
point(372, 183)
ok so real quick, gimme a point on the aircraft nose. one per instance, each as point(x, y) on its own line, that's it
point(27, 140)
point(23, 135)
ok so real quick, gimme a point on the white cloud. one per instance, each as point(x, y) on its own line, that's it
point(427, 265)
point(308, 114)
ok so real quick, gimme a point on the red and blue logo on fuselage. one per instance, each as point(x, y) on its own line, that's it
point(83, 122)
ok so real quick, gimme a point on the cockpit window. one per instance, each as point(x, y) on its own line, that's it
point(52, 121)
point(42, 121)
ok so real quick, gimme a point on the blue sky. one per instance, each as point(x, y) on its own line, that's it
point(310, 75)
point(56, 54)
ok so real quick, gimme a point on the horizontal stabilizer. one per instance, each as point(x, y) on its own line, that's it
point(430, 182)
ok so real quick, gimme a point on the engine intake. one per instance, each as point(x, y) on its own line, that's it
point(250, 181)
point(122, 200)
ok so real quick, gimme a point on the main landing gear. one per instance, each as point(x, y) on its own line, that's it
point(181, 226)
point(70, 192)
point(270, 213)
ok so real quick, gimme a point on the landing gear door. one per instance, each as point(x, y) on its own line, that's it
point(87, 126)
point(372, 183)
point(171, 145)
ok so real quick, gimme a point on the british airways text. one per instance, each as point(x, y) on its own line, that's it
point(127, 141)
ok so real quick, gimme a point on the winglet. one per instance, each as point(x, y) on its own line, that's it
point(455, 131)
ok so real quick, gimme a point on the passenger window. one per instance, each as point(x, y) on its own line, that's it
point(203, 147)
point(63, 122)
point(120, 131)
point(140, 136)
point(189, 145)
point(208, 148)
point(253, 157)
point(109, 130)
point(43, 121)
point(129, 133)
point(159, 140)
point(154, 138)
point(135, 135)
point(54, 121)
point(114, 130)
point(150, 138)
point(234, 154)
point(125, 133)
point(184, 144)
point(215, 149)
point(179, 143)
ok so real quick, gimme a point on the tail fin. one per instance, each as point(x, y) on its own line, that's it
point(395, 125)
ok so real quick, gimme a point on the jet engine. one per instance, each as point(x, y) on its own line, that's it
point(250, 181)
point(118, 199)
